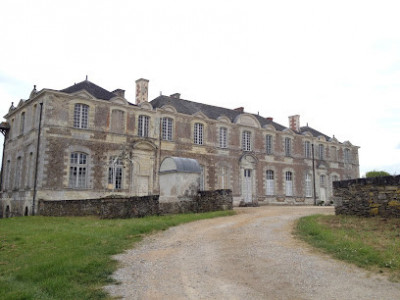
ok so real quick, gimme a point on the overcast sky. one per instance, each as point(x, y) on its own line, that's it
point(335, 63)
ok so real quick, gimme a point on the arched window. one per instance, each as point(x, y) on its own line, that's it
point(78, 170)
point(270, 183)
point(81, 113)
point(289, 183)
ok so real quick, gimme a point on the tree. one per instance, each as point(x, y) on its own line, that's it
point(376, 174)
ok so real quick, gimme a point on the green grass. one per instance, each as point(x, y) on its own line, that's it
point(371, 243)
point(70, 258)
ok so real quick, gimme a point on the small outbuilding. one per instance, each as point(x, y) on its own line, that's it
point(179, 178)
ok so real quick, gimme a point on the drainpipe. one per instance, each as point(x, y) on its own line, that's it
point(313, 170)
point(37, 160)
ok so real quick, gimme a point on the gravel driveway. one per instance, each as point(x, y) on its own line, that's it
point(248, 256)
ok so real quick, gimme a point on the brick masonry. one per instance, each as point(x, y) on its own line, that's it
point(368, 197)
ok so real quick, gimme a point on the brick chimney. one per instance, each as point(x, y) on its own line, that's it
point(119, 93)
point(239, 109)
point(294, 123)
point(142, 86)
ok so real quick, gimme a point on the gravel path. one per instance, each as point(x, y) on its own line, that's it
point(248, 256)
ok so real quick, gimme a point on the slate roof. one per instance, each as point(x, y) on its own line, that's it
point(314, 132)
point(213, 112)
point(93, 89)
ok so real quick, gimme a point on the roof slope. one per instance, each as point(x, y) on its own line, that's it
point(93, 89)
point(314, 132)
point(213, 112)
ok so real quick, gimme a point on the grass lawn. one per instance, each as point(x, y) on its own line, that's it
point(372, 243)
point(70, 258)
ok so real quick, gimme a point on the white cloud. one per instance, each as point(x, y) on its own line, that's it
point(336, 64)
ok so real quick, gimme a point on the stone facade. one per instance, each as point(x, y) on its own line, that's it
point(95, 143)
point(107, 208)
point(366, 197)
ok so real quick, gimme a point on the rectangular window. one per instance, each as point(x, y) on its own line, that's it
point(333, 153)
point(222, 137)
point(198, 134)
point(117, 121)
point(22, 123)
point(289, 183)
point(270, 183)
point(78, 170)
point(6, 176)
point(246, 141)
point(321, 151)
point(288, 147)
point(347, 156)
point(308, 186)
point(268, 144)
point(81, 112)
point(143, 126)
point(17, 179)
point(167, 129)
point(34, 109)
point(307, 149)
point(322, 180)
point(115, 173)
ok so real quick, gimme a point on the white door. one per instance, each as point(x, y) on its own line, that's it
point(247, 186)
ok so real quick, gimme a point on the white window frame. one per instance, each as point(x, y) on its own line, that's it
point(81, 115)
point(223, 132)
point(288, 183)
point(143, 126)
point(115, 173)
point(347, 155)
point(167, 124)
point(321, 151)
point(198, 133)
point(78, 170)
point(268, 144)
point(269, 183)
point(308, 187)
point(246, 140)
point(288, 146)
point(307, 149)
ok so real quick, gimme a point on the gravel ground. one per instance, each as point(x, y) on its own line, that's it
point(248, 256)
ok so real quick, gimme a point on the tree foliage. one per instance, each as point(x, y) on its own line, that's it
point(371, 174)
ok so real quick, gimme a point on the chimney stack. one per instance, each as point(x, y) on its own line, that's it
point(294, 123)
point(119, 93)
point(142, 86)
point(270, 119)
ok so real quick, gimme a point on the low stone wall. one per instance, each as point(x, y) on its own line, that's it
point(204, 201)
point(105, 208)
point(379, 196)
